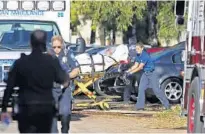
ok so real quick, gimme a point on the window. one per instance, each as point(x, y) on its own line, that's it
point(16, 34)
point(177, 58)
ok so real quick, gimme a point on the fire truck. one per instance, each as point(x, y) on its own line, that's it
point(193, 101)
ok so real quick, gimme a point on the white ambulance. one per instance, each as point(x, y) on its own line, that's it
point(18, 18)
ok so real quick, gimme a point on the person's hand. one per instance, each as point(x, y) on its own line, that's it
point(66, 84)
point(5, 115)
point(128, 73)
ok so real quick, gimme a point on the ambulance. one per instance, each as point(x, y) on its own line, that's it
point(18, 18)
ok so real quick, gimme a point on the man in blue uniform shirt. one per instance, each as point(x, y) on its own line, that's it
point(148, 79)
point(70, 64)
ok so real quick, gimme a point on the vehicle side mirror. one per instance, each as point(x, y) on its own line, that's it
point(183, 56)
point(80, 48)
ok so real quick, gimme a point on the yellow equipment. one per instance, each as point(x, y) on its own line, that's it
point(83, 84)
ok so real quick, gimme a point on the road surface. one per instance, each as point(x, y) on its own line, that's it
point(91, 122)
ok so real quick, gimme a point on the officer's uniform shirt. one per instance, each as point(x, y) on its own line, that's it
point(68, 62)
point(72, 62)
point(34, 75)
point(145, 58)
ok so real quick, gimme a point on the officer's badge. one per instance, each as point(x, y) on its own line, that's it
point(64, 59)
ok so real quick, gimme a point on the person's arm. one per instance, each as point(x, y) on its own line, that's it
point(142, 63)
point(137, 69)
point(61, 76)
point(133, 67)
point(11, 83)
point(74, 73)
point(74, 65)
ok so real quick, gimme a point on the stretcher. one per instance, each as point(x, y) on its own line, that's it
point(84, 81)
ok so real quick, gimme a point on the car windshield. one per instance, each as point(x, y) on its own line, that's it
point(16, 34)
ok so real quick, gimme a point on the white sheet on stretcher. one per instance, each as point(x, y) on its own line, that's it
point(120, 53)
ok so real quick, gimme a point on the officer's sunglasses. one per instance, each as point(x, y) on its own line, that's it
point(59, 47)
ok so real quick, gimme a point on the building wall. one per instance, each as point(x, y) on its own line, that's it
point(85, 31)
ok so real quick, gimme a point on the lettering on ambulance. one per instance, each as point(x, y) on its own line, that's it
point(4, 12)
point(60, 14)
point(22, 13)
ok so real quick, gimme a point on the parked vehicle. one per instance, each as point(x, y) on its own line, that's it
point(95, 50)
point(168, 66)
point(156, 49)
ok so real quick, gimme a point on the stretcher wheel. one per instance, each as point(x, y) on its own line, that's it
point(104, 106)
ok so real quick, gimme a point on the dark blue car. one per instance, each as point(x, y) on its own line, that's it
point(168, 67)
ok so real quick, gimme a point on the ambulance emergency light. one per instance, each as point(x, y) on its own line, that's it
point(12, 5)
point(50, 5)
point(58, 5)
point(1, 5)
point(42, 5)
point(28, 5)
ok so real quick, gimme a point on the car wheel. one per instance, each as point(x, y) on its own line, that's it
point(172, 89)
point(99, 89)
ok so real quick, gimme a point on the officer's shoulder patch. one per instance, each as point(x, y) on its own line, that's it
point(64, 59)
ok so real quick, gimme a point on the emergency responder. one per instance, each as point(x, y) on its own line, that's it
point(148, 79)
point(71, 66)
point(34, 74)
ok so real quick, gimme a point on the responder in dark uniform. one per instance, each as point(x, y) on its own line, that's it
point(71, 66)
point(148, 79)
point(34, 75)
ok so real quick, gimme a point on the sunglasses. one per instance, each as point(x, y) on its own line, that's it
point(59, 47)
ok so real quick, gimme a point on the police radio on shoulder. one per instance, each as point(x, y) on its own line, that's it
point(29, 5)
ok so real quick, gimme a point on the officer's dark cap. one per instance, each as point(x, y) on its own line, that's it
point(38, 38)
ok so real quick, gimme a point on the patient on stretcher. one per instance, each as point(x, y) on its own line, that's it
point(100, 62)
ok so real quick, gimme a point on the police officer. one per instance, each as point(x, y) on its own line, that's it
point(71, 66)
point(148, 79)
point(34, 74)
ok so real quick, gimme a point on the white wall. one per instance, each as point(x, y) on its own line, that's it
point(85, 30)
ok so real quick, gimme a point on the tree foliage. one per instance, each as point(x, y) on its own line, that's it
point(108, 13)
point(118, 15)
point(167, 28)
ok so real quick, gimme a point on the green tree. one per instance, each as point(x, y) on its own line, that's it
point(167, 28)
point(108, 13)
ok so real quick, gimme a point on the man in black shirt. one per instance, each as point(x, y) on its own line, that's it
point(34, 75)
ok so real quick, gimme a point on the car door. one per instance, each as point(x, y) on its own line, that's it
point(177, 61)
